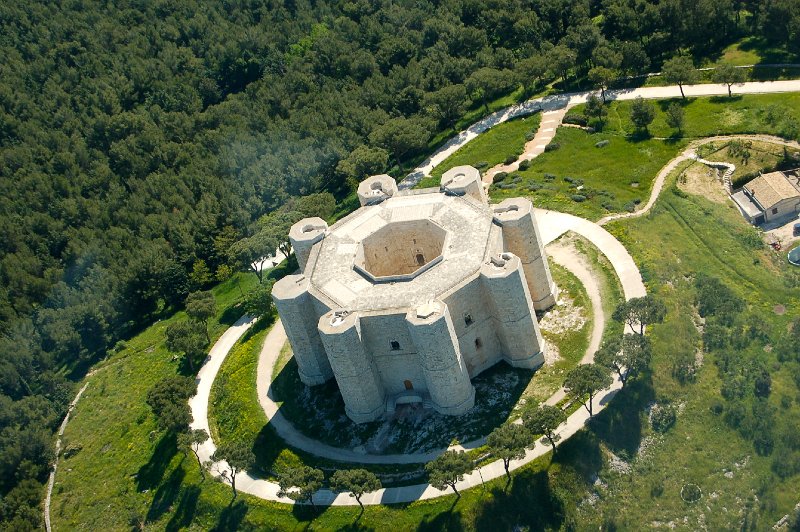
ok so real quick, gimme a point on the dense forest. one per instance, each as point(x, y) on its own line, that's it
point(139, 141)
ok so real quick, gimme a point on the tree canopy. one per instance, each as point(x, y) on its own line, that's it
point(639, 312)
point(447, 469)
point(168, 399)
point(239, 457)
point(628, 356)
point(300, 483)
point(509, 442)
point(584, 381)
point(356, 482)
point(544, 419)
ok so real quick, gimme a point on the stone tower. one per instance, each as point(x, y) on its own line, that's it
point(415, 293)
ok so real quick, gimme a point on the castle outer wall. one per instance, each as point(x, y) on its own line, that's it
point(416, 336)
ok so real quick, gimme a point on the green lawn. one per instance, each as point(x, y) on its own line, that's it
point(489, 148)
point(619, 175)
point(684, 235)
point(610, 178)
point(126, 475)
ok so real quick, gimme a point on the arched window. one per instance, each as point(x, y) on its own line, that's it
point(467, 319)
point(395, 345)
point(408, 385)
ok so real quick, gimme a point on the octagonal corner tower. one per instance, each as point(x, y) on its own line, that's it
point(411, 296)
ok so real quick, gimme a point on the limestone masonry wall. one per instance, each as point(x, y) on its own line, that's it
point(365, 312)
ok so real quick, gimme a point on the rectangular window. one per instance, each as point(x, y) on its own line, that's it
point(775, 211)
point(467, 320)
point(394, 345)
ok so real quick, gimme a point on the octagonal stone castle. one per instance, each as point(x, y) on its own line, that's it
point(415, 293)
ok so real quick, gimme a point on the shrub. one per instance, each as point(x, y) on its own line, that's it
point(607, 205)
point(553, 146)
point(578, 198)
point(786, 463)
point(515, 177)
point(574, 119)
point(510, 159)
point(525, 164)
point(763, 443)
point(506, 186)
point(500, 176)
point(716, 299)
point(630, 206)
point(480, 165)
point(735, 415)
point(535, 186)
point(602, 144)
point(717, 407)
point(549, 177)
point(662, 417)
point(529, 135)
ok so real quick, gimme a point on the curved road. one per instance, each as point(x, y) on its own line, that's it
point(565, 101)
point(552, 225)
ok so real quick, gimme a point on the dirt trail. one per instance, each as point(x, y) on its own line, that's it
point(565, 254)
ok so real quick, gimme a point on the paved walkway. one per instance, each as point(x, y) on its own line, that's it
point(566, 100)
point(533, 148)
point(552, 225)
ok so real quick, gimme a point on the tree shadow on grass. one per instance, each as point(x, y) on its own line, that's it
point(640, 135)
point(619, 426)
point(149, 475)
point(184, 513)
point(267, 448)
point(307, 513)
point(726, 99)
point(231, 314)
point(530, 501)
point(355, 526)
point(166, 494)
point(231, 517)
point(448, 520)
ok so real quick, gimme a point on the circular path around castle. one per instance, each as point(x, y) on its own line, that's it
point(551, 225)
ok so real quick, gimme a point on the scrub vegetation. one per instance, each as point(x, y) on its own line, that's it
point(140, 142)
